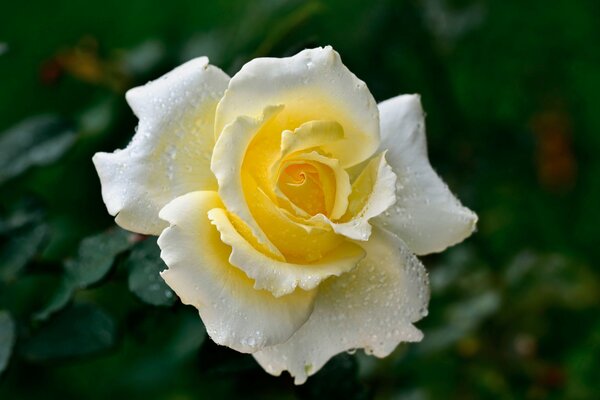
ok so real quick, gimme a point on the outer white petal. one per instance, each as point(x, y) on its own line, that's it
point(372, 307)
point(372, 194)
point(313, 85)
point(426, 216)
point(235, 313)
point(281, 278)
point(170, 153)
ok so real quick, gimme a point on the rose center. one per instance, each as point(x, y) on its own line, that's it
point(308, 186)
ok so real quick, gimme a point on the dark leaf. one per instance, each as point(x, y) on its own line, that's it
point(7, 338)
point(58, 301)
point(37, 141)
point(144, 265)
point(94, 260)
point(25, 212)
point(96, 256)
point(338, 378)
point(77, 331)
point(22, 245)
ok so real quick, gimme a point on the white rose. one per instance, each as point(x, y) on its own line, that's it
point(289, 205)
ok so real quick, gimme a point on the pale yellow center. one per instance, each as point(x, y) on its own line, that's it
point(287, 178)
point(309, 185)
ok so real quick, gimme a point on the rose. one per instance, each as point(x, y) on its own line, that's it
point(288, 203)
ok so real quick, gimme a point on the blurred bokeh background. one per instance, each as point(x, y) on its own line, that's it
point(512, 94)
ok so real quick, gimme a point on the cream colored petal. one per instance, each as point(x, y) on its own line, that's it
point(226, 164)
point(372, 194)
point(372, 307)
point(170, 153)
point(426, 215)
point(310, 134)
point(235, 313)
point(313, 85)
point(282, 278)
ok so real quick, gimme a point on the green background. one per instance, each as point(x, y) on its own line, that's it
point(512, 92)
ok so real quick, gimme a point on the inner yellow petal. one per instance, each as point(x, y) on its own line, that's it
point(301, 184)
point(296, 242)
point(309, 186)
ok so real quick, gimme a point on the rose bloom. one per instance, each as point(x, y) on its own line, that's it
point(289, 205)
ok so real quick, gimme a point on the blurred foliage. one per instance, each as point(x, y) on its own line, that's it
point(511, 90)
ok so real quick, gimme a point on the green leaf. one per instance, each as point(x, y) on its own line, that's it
point(171, 348)
point(58, 301)
point(37, 141)
point(7, 338)
point(337, 379)
point(188, 336)
point(96, 256)
point(22, 245)
point(144, 265)
point(22, 235)
point(77, 331)
point(25, 212)
point(94, 260)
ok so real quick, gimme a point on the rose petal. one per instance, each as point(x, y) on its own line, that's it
point(337, 189)
point(244, 153)
point(227, 159)
point(170, 153)
point(299, 243)
point(371, 307)
point(426, 216)
point(310, 134)
point(281, 278)
point(372, 194)
point(313, 85)
point(235, 313)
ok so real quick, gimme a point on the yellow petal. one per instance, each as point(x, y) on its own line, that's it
point(227, 164)
point(333, 184)
point(281, 278)
point(373, 192)
point(298, 243)
point(310, 134)
point(300, 183)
